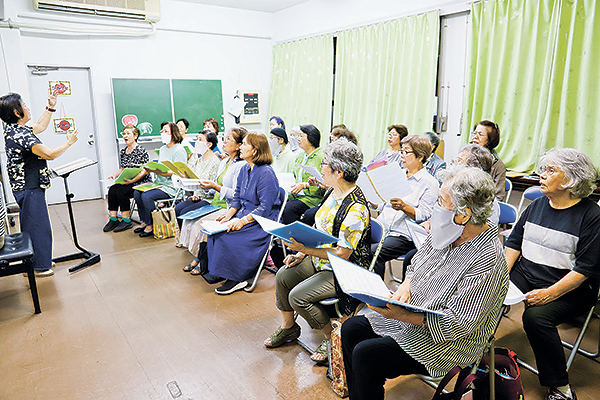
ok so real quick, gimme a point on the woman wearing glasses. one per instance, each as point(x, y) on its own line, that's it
point(487, 134)
point(417, 205)
point(553, 255)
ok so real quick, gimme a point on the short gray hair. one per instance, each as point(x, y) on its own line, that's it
point(434, 138)
point(479, 157)
point(471, 188)
point(346, 157)
point(580, 173)
point(296, 130)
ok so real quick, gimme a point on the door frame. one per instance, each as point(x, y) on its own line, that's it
point(31, 66)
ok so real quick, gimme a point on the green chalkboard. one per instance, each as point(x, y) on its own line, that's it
point(148, 99)
point(197, 100)
point(154, 101)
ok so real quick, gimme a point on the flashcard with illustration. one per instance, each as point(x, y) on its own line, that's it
point(63, 88)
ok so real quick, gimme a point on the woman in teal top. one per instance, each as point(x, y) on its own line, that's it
point(303, 196)
point(171, 151)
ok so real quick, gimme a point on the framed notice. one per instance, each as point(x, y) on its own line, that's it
point(64, 125)
point(63, 88)
point(252, 107)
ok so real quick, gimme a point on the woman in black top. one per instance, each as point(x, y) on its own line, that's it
point(29, 174)
point(120, 194)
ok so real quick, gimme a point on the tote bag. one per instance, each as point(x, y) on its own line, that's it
point(164, 223)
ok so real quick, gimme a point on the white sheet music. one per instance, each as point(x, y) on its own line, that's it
point(514, 295)
point(357, 279)
point(417, 233)
point(389, 181)
point(313, 171)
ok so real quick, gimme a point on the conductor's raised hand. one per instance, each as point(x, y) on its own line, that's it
point(52, 99)
point(72, 136)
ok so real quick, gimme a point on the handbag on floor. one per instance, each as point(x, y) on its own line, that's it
point(164, 223)
point(507, 379)
point(336, 371)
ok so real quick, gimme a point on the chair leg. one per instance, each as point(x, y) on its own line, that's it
point(575, 347)
point(395, 278)
point(33, 288)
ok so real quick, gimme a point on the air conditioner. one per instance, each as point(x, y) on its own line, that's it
point(144, 10)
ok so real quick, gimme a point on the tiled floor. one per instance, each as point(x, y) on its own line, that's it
point(136, 327)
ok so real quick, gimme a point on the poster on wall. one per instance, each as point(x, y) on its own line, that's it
point(63, 88)
point(252, 110)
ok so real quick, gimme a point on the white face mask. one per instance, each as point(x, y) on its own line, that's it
point(294, 143)
point(443, 228)
point(200, 147)
point(165, 137)
point(275, 146)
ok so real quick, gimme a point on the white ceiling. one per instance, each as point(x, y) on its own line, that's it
point(255, 5)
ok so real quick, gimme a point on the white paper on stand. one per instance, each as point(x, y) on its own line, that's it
point(72, 166)
point(384, 183)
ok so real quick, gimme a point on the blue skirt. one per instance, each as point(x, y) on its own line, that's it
point(236, 255)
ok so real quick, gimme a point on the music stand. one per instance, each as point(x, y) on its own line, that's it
point(90, 258)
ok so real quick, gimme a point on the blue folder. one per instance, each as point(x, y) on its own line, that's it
point(199, 212)
point(302, 233)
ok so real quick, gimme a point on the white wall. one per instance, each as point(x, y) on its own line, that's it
point(324, 16)
point(192, 41)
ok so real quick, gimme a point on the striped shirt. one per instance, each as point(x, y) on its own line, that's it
point(468, 285)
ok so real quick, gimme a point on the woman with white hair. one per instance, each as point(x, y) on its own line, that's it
point(553, 256)
point(307, 277)
point(459, 271)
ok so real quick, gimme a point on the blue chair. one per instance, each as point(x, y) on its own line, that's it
point(508, 213)
point(508, 186)
point(530, 194)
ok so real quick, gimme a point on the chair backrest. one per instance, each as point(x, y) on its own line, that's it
point(508, 186)
point(531, 193)
point(284, 193)
point(377, 236)
point(508, 213)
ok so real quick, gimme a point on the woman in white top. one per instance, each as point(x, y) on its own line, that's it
point(417, 205)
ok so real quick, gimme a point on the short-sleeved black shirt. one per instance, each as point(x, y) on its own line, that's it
point(25, 169)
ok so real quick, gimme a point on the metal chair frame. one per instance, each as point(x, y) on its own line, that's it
point(531, 193)
point(261, 265)
point(508, 187)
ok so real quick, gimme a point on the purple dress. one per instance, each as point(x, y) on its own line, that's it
point(236, 255)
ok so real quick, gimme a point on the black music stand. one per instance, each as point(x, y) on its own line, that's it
point(90, 258)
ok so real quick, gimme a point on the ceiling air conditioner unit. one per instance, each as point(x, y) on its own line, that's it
point(144, 10)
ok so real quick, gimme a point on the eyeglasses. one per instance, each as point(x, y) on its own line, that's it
point(550, 170)
point(323, 162)
point(406, 152)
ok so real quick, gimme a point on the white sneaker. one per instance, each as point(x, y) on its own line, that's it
point(44, 273)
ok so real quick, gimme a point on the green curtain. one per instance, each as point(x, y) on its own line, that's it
point(386, 74)
point(534, 71)
point(302, 83)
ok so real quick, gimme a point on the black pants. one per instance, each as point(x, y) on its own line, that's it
point(293, 211)
point(119, 197)
point(393, 247)
point(370, 359)
point(309, 216)
point(540, 322)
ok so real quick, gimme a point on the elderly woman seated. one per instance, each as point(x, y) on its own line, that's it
point(307, 276)
point(459, 271)
point(553, 255)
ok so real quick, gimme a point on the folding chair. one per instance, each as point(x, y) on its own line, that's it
point(531, 193)
point(508, 213)
point(575, 348)
point(508, 186)
point(282, 193)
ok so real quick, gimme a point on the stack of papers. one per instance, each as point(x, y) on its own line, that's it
point(302, 233)
point(366, 286)
point(212, 227)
